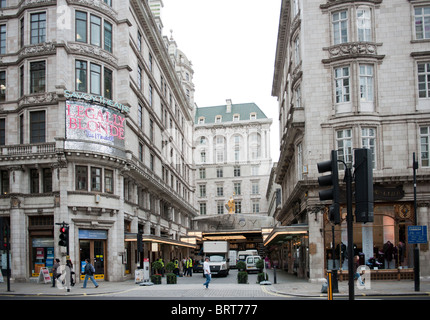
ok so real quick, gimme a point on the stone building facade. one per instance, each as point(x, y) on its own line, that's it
point(232, 155)
point(353, 74)
point(96, 132)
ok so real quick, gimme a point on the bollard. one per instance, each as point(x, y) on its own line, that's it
point(274, 274)
point(329, 285)
point(335, 282)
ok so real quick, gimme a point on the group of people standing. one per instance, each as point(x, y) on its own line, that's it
point(187, 266)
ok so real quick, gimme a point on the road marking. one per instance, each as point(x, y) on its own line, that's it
point(274, 293)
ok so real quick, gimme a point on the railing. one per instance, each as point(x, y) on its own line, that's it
point(28, 149)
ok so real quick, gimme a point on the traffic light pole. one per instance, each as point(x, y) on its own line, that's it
point(416, 249)
point(349, 221)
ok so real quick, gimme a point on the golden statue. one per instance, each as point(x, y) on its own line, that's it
point(230, 206)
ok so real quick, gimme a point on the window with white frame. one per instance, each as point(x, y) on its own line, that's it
point(38, 27)
point(202, 189)
point(340, 27)
point(201, 120)
point(219, 191)
point(255, 206)
point(236, 154)
point(422, 22)
point(344, 147)
point(202, 208)
point(238, 206)
point(424, 79)
point(202, 173)
point(255, 188)
point(364, 24)
point(424, 146)
point(218, 119)
point(220, 207)
point(368, 140)
point(366, 82)
point(219, 155)
point(139, 77)
point(237, 188)
point(236, 117)
point(203, 156)
point(2, 39)
point(342, 84)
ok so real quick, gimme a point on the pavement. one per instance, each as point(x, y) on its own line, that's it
point(286, 285)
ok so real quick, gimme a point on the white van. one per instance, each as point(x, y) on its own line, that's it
point(241, 255)
point(251, 263)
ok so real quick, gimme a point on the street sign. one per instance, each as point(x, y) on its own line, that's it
point(417, 234)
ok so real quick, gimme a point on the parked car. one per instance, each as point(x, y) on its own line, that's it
point(198, 266)
point(251, 263)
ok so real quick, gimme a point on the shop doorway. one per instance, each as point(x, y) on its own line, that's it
point(95, 251)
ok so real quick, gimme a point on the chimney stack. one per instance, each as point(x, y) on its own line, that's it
point(228, 105)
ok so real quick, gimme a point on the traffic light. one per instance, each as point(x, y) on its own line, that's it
point(363, 185)
point(330, 180)
point(64, 236)
point(2, 234)
point(139, 242)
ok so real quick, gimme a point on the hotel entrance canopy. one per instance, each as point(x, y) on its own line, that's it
point(283, 234)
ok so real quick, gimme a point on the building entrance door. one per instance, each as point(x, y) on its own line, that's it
point(95, 251)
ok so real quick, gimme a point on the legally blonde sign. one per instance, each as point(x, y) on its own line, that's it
point(94, 127)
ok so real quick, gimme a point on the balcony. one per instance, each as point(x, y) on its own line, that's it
point(27, 150)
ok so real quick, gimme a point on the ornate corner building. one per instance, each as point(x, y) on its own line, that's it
point(353, 74)
point(96, 124)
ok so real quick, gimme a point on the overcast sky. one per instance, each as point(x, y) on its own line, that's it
point(231, 44)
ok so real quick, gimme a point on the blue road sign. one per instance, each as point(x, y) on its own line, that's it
point(417, 234)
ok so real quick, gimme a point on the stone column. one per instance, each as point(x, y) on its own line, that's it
point(316, 244)
point(423, 219)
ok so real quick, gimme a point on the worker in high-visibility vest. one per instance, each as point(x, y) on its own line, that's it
point(190, 266)
point(162, 267)
point(176, 270)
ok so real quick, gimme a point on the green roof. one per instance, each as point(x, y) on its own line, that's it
point(244, 111)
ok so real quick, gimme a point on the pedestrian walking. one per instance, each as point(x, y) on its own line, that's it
point(55, 273)
point(357, 275)
point(207, 272)
point(89, 273)
point(70, 265)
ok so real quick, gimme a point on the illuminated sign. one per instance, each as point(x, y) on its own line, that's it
point(90, 124)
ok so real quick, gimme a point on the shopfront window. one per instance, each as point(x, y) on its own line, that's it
point(41, 243)
point(42, 254)
point(381, 244)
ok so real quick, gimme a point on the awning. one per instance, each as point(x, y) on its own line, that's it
point(282, 234)
point(149, 238)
